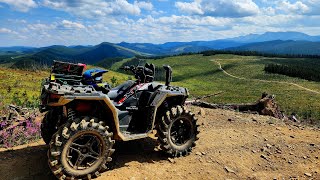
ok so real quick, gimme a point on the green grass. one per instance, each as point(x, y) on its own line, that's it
point(202, 77)
point(291, 98)
point(118, 65)
point(19, 86)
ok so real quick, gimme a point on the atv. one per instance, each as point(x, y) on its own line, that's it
point(83, 123)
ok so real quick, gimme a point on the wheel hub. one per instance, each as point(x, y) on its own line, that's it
point(84, 151)
point(180, 132)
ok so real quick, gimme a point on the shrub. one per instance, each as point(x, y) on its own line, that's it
point(18, 133)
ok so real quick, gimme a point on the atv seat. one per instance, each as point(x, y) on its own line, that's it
point(118, 91)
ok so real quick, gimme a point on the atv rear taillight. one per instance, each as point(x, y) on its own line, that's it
point(83, 107)
point(55, 96)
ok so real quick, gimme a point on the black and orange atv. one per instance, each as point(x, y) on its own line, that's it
point(82, 123)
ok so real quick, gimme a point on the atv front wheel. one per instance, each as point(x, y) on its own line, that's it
point(80, 149)
point(177, 131)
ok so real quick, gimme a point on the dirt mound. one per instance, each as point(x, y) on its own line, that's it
point(231, 146)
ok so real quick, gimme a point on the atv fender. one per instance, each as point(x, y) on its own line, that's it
point(67, 99)
point(164, 94)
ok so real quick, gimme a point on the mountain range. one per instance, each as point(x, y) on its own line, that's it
point(269, 42)
point(272, 36)
point(288, 47)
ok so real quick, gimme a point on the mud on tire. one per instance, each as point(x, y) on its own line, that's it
point(80, 149)
point(177, 131)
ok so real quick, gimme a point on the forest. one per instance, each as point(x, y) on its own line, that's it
point(306, 73)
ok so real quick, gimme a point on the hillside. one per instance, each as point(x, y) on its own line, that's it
point(103, 51)
point(84, 54)
point(17, 49)
point(282, 47)
point(148, 48)
point(170, 48)
point(231, 146)
point(20, 87)
point(203, 76)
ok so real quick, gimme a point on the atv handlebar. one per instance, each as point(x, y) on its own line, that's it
point(142, 73)
point(129, 68)
point(147, 72)
point(126, 68)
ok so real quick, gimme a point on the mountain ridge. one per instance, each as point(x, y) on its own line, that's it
point(271, 36)
point(282, 47)
point(269, 42)
point(83, 54)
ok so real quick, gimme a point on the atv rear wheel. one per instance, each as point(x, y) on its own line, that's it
point(49, 124)
point(80, 149)
point(177, 131)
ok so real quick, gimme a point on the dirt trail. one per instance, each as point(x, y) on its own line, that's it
point(231, 146)
point(261, 80)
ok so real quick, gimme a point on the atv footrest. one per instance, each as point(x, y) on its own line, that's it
point(131, 136)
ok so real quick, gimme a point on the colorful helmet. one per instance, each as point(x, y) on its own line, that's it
point(93, 76)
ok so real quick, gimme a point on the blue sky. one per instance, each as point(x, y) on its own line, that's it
point(88, 22)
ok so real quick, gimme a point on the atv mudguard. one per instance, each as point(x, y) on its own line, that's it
point(165, 93)
point(69, 94)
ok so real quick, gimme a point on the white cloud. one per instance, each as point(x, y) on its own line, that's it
point(124, 7)
point(157, 13)
point(278, 20)
point(54, 4)
point(41, 27)
point(72, 25)
point(220, 8)
point(21, 5)
point(144, 5)
point(98, 8)
point(268, 11)
point(93, 22)
point(313, 5)
point(183, 21)
point(5, 30)
point(190, 8)
point(8, 31)
point(294, 8)
point(18, 21)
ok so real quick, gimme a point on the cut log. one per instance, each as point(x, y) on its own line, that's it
point(266, 105)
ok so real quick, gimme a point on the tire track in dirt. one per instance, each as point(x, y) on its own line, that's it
point(261, 80)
